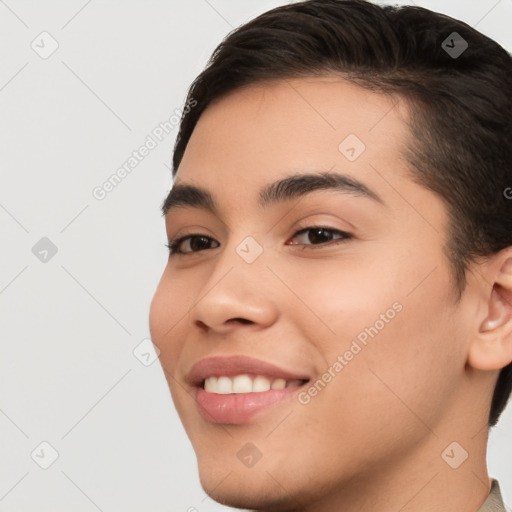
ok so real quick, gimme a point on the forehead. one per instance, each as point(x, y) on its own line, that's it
point(264, 130)
point(261, 135)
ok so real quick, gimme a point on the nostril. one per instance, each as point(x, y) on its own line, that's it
point(205, 327)
point(201, 325)
point(240, 320)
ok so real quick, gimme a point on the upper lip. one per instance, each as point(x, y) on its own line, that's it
point(230, 366)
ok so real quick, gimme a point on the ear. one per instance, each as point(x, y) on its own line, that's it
point(491, 348)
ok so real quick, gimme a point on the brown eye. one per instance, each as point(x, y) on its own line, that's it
point(317, 235)
point(320, 235)
point(191, 243)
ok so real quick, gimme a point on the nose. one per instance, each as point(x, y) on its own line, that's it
point(236, 294)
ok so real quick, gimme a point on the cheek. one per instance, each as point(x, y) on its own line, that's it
point(400, 337)
point(405, 370)
point(335, 300)
point(168, 316)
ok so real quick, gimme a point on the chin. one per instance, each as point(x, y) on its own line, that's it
point(253, 488)
point(246, 492)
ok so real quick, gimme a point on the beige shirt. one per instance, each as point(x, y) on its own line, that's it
point(494, 502)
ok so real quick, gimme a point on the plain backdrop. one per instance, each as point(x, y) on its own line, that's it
point(82, 85)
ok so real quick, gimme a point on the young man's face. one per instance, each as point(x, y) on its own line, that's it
point(370, 320)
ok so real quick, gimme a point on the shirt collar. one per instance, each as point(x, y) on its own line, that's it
point(494, 502)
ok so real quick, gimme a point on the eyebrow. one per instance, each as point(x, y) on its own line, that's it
point(292, 187)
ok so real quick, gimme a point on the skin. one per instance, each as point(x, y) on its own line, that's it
point(372, 439)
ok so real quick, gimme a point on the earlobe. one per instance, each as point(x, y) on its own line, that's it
point(491, 348)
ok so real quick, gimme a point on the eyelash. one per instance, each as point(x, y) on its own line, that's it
point(174, 244)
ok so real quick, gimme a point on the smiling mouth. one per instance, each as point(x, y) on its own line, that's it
point(244, 383)
point(234, 389)
point(239, 398)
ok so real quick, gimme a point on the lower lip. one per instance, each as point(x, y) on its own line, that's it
point(239, 408)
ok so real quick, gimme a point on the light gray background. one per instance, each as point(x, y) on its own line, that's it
point(70, 325)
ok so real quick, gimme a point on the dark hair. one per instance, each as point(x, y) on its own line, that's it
point(461, 105)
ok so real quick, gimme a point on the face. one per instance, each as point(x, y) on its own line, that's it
point(308, 292)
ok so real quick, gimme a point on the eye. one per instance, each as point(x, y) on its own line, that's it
point(319, 235)
point(312, 235)
point(191, 243)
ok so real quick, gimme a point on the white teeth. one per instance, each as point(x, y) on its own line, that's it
point(241, 384)
point(224, 386)
point(210, 384)
point(278, 384)
point(260, 384)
